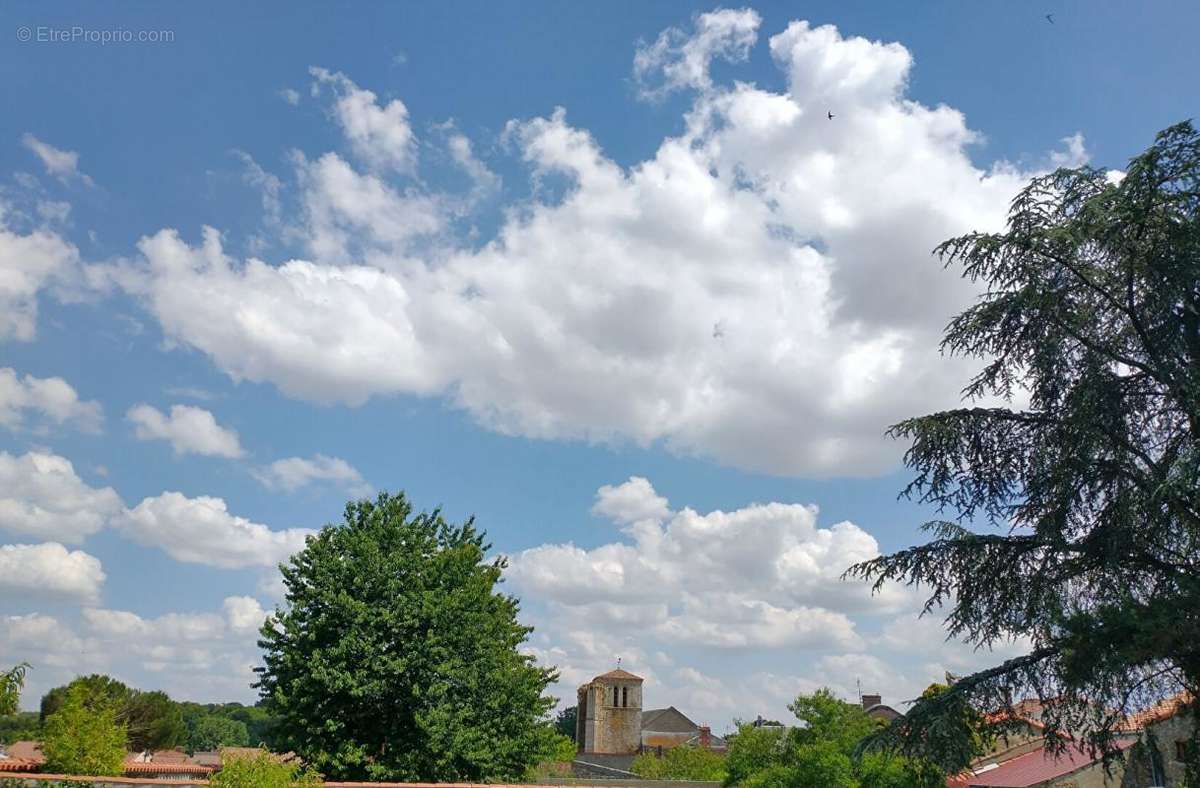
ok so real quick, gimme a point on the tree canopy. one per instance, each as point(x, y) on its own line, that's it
point(823, 751)
point(212, 732)
point(152, 720)
point(566, 720)
point(83, 734)
point(1068, 487)
point(396, 658)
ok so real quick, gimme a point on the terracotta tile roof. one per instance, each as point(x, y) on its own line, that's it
point(618, 674)
point(1164, 709)
point(1034, 768)
point(19, 765)
point(25, 750)
point(194, 769)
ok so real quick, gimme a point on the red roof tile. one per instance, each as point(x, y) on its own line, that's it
point(1164, 709)
point(134, 769)
point(1036, 767)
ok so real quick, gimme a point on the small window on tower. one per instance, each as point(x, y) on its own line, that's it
point(625, 696)
point(616, 696)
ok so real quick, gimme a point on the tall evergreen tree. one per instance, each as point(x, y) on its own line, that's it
point(1073, 520)
point(395, 656)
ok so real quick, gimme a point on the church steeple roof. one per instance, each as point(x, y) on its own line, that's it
point(618, 674)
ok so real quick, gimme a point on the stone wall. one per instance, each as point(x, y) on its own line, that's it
point(605, 726)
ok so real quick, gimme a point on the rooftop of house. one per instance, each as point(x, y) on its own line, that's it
point(1164, 709)
point(1033, 768)
point(668, 720)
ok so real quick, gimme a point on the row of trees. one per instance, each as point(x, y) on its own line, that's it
point(88, 725)
point(824, 750)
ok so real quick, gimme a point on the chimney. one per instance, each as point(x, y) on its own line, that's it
point(705, 736)
point(871, 700)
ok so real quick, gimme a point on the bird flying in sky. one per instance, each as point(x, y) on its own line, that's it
point(830, 114)
point(1050, 18)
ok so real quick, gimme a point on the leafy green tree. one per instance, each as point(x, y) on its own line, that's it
point(19, 726)
point(828, 719)
point(752, 750)
point(887, 770)
point(396, 658)
point(152, 720)
point(820, 764)
point(211, 732)
point(263, 771)
point(96, 688)
point(566, 720)
point(11, 684)
point(83, 735)
point(1073, 520)
point(824, 750)
point(681, 763)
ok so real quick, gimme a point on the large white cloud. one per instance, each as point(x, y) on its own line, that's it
point(773, 553)
point(759, 580)
point(49, 570)
point(29, 263)
point(760, 291)
point(729, 614)
point(51, 398)
point(190, 430)
point(42, 496)
point(202, 530)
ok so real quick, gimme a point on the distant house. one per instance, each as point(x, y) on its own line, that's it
point(1165, 731)
point(874, 706)
point(165, 765)
point(1153, 745)
point(1075, 767)
point(669, 727)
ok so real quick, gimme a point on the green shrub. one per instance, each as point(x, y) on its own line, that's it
point(681, 763)
point(263, 771)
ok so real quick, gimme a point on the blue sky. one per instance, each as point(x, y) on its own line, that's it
point(688, 285)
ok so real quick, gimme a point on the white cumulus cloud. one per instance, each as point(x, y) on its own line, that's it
point(758, 291)
point(292, 473)
point(52, 399)
point(682, 59)
point(202, 531)
point(380, 135)
point(29, 263)
point(42, 496)
point(49, 570)
point(190, 430)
